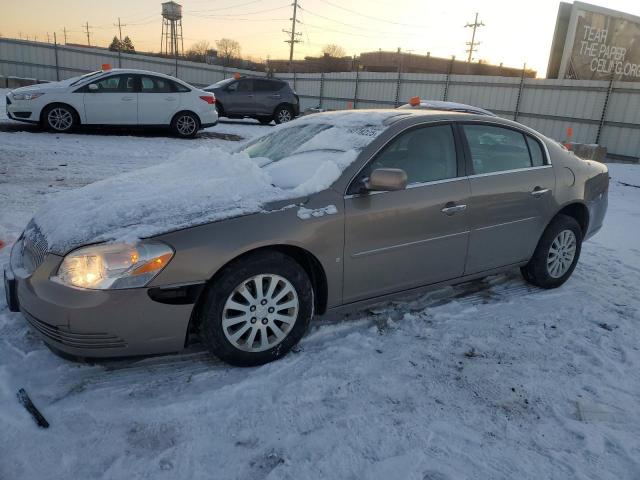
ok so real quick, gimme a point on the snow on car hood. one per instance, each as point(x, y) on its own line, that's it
point(202, 185)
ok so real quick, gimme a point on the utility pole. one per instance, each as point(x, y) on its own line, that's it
point(472, 44)
point(86, 26)
point(64, 30)
point(120, 44)
point(292, 40)
point(48, 39)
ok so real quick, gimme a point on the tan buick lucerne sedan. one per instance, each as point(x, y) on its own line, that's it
point(331, 210)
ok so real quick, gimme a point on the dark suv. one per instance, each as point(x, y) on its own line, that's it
point(264, 99)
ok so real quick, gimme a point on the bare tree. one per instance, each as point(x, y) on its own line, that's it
point(198, 51)
point(333, 50)
point(228, 49)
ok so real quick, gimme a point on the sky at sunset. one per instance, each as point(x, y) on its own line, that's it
point(515, 31)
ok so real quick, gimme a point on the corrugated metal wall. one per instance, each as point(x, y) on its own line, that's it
point(549, 106)
point(20, 58)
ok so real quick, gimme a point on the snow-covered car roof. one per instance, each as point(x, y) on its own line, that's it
point(447, 106)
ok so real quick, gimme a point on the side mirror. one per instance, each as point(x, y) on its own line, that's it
point(93, 87)
point(386, 179)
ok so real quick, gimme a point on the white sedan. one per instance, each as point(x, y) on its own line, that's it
point(115, 97)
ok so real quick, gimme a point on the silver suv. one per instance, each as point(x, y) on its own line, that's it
point(265, 99)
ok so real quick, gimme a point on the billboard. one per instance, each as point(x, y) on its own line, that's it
point(595, 43)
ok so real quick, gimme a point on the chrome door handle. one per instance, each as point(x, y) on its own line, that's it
point(452, 209)
point(127, 99)
point(538, 192)
point(170, 99)
point(275, 95)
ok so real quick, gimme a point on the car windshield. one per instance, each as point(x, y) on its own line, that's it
point(312, 150)
point(82, 77)
point(223, 83)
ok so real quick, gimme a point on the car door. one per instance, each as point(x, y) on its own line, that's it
point(111, 101)
point(158, 100)
point(240, 97)
point(267, 96)
point(512, 185)
point(398, 240)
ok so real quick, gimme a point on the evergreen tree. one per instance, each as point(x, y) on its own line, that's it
point(127, 45)
point(115, 44)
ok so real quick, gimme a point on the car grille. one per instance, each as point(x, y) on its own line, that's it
point(75, 339)
point(34, 248)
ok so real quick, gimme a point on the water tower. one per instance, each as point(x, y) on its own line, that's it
point(172, 43)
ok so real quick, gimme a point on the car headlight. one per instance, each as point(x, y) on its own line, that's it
point(114, 266)
point(26, 96)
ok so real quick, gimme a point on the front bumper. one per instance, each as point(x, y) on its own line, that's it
point(22, 111)
point(96, 323)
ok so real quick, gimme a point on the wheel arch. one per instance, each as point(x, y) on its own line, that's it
point(283, 104)
point(186, 110)
point(307, 260)
point(578, 211)
point(68, 105)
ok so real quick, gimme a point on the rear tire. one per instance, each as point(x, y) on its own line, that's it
point(59, 118)
point(556, 255)
point(258, 330)
point(185, 125)
point(283, 114)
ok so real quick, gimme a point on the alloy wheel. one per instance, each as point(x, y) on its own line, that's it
point(186, 125)
point(561, 253)
point(284, 116)
point(60, 119)
point(260, 313)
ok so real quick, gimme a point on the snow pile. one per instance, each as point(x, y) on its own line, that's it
point(208, 184)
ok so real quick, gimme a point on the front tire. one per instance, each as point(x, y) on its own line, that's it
point(59, 118)
point(257, 310)
point(185, 125)
point(556, 255)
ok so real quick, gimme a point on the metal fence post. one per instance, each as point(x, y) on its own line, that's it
point(446, 83)
point(294, 80)
point(520, 88)
point(321, 89)
point(604, 109)
point(398, 83)
point(355, 91)
point(55, 50)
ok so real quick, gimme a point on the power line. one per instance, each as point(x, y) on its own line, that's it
point(293, 39)
point(472, 44)
point(242, 14)
point(370, 17)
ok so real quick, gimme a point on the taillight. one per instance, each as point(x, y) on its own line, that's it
point(210, 99)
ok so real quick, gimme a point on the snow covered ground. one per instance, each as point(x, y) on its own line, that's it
point(493, 379)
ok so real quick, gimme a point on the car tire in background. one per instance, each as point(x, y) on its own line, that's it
point(283, 114)
point(556, 255)
point(59, 117)
point(185, 125)
point(257, 309)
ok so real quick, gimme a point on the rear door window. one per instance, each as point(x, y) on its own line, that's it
point(496, 149)
point(537, 157)
point(150, 84)
point(267, 85)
